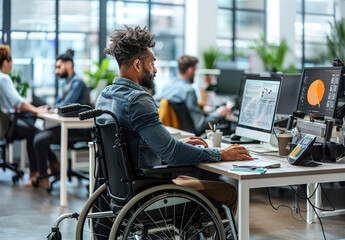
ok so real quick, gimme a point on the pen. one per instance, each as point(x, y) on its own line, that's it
point(210, 126)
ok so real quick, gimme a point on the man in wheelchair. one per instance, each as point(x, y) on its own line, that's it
point(149, 142)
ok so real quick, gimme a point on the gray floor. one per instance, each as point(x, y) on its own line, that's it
point(30, 213)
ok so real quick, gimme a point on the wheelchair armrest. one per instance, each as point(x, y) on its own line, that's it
point(164, 171)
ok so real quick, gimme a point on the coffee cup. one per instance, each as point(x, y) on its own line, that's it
point(215, 138)
point(207, 132)
point(283, 140)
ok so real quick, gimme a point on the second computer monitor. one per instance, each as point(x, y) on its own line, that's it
point(320, 91)
point(229, 81)
point(259, 103)
point(289, 93)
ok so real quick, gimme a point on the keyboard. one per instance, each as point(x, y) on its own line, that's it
point(243, 140)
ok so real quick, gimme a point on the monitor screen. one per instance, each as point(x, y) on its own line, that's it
point(259, 103)
point(289, 93)
point(229, 81)
point(320, 89)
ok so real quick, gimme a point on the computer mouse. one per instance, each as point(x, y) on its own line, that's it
point(235, 137)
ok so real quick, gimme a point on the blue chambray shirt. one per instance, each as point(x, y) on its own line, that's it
point(149, 141)
point(76, 94)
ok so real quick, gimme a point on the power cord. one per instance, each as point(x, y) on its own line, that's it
point(296, 208)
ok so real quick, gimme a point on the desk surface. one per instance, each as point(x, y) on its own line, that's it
point(57, 118)
point(285, 169)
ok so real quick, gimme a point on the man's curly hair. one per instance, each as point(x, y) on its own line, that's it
point(129, 44)
point(5, 54)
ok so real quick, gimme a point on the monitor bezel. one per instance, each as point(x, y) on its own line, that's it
point(253, 132)
point(340, 91)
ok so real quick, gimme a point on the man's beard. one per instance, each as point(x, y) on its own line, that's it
point(147, 80)
point(63, 75)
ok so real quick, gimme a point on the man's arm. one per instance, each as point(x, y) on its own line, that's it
point(199, 119)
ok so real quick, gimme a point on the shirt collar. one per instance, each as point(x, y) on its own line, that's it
point(127, 82)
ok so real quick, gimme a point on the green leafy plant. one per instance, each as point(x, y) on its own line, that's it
point(272, 55)
point(335, 41)
point(21, 87)
point(102, 72)
point(210, 56)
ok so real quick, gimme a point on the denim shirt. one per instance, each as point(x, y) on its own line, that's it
point(149, 141)
point(76, 93)
point(180, 90)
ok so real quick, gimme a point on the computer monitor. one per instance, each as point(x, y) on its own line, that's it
point(229, 81)
point(320, 90)
point(259, 103)
point(289, 93)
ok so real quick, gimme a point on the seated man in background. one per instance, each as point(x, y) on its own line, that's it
point(181, 90)
point(11, 101)
point(149, 142)
point(74, 91)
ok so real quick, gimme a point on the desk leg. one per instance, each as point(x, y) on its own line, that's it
point(314, 200)
point(243, 210)
point(91, 168)
point(63, 161)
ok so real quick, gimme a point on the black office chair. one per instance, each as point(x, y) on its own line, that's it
point(7, 126)
point(183, 116)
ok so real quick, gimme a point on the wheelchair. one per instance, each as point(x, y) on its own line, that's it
point(144, 203)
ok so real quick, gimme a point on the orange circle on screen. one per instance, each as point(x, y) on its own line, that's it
point(315, 92)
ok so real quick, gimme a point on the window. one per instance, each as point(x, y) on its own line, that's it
point(164, 18)
point(312, 25)
point(238, 23)
point(33, 43)
point(38, 34)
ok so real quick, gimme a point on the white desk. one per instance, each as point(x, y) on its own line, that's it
point(285, 175)
point(65, 123)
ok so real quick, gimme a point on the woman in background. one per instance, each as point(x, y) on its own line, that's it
point(11, 101)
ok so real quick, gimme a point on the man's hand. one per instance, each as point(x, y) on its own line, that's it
point(195, 141)
point(223, 111)
point(234, 152)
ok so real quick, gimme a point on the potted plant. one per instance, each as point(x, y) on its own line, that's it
point(335, 41)
point(272, 55)
point(99, 79)
point(210, 57)
point(21, 87)
point(102, 72)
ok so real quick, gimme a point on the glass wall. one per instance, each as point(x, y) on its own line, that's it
point(312, 25)
point(33, 43)
point(38, 34)
point(238, 23)
point(164, 18)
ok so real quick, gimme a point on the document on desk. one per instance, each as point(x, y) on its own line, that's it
point(255, 166)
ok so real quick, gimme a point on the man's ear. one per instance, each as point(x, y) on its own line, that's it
point(137, 65)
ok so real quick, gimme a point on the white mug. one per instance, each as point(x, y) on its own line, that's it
point(215, 138)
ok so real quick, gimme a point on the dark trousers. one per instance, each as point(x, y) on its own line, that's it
point(44, 139)
point(24, 130)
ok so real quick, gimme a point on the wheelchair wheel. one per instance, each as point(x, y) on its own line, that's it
point(96, 218)
point(168, 212)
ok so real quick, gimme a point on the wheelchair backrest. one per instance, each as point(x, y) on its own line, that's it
point(116, 161)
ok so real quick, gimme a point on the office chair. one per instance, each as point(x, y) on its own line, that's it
point(7, 126)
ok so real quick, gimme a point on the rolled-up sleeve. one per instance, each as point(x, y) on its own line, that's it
point(145, 120)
